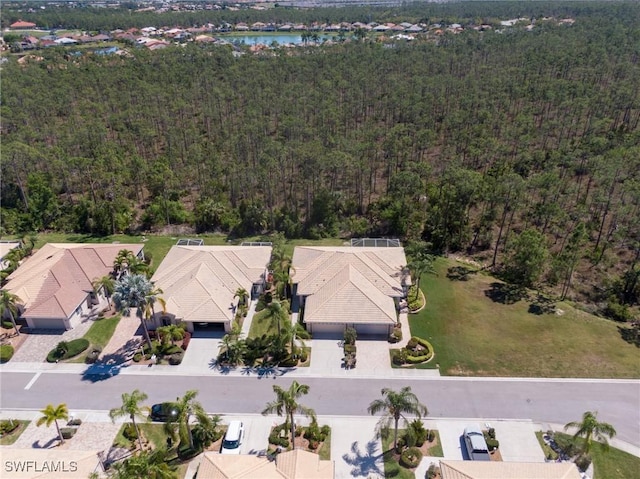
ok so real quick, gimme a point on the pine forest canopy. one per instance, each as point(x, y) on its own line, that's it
point(466, 141)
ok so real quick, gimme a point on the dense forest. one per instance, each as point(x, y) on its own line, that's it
point(513, 147)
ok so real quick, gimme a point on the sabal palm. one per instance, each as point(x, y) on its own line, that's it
point(395, 404)
point(590, 428)
point(131, 407)
point(9, 303)
point(148, 465)
point(132, 291)
point(186, 406)
point(51, 414)
point(287, 402)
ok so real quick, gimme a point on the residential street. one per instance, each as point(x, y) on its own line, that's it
point(541, 400)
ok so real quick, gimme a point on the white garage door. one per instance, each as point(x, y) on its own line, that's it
point(332, 329)
point(43, 323)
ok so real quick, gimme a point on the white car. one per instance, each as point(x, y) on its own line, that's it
point(233, 438)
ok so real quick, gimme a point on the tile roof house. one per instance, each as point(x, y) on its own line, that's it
point(296, 464)
point(349, 286)
point(20, 24)
point(508, 470)
point(55, 283)
point(51, 463)
point(200, 282)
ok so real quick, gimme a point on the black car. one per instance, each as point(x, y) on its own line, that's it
point(163, 412)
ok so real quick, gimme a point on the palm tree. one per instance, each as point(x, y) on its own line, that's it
point(51, 414)
point(106, 283)
point(173, 332)
point(286, 402)
point(150, 465)
point(205, 431)
point(123, 260)
point(590, 428)
point(276, 313)
point(242, 296)
point(185, 406)
point(131, 407)
point(420, 267)
point(133, 291)
point(395, 405)
point(9, 303)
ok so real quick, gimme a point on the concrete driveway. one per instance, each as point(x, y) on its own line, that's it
point(354, 447)
point(326, 357)
point(518, 441)
point(203, 350)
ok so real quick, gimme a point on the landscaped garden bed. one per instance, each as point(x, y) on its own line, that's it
point(312, 438)
point(416, 351)
point(10, 430)
point(402, 463)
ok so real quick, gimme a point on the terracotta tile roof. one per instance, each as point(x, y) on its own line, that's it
point(69, 464)
point(22, 24)
point(57, 278)
point(508, 470)
point(296, 464)
point(199, 282)
point(349, 284)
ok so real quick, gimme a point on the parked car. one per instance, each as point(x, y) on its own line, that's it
point(476, 445)
point(163, 412)
point(233, 438)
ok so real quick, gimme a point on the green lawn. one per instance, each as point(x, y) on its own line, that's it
point(99, 334)
point(613, 463)
point(9, 439)
point(473, 335)
point(325, 450)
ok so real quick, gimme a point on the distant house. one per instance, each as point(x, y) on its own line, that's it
point(200, 282)
point(22, 25)
point(507, 470)
point(296, 464)
point(345, 286)
point(56, 282)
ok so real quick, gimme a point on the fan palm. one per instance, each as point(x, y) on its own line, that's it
point(51, 414)
point(395, 405)
point(131, 407)
point(590, 428)
point(134, 291)
point(286, 402)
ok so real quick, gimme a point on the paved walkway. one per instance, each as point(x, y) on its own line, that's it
point(125, 340)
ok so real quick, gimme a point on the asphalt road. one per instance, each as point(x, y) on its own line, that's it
point(552, 400)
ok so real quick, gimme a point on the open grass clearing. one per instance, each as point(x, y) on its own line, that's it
point(13, 436)
point(476, 336)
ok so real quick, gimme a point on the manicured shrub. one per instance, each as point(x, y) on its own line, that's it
point(411, 457)
point(172, 349)
point(396, 336)
point(412, 343)
point(583, 461)
point(288, 362)
point(492, 444)
point(68, 432)
point(129, 432)
point(399, 356)
point(93, 354)
point(6, 353)
point(176, 358)
point(75, 422)
point(417, 427)
point(350, 349)
point(431, 435)
point(137, 357)
point(7, 324)
point(350, 336)
point(304, 356)
point(155, 348)
point(7, 426)
point(391, 469)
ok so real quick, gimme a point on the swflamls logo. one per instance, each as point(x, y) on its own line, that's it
point(40, 466)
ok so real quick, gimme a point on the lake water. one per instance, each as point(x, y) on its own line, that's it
point(268, 39)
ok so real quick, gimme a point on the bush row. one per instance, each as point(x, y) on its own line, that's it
point(7, 426)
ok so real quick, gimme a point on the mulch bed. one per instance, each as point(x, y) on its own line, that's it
point(13, 339)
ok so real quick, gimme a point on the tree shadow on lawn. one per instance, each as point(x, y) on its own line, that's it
point(367, 462)
point(504, 293)
point(460, 273)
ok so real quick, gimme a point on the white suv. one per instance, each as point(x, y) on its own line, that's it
point(233, 438)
